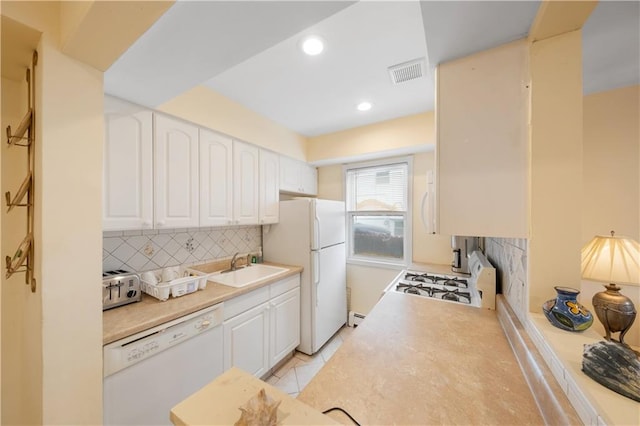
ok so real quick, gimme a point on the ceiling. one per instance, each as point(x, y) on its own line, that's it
point(249, 52)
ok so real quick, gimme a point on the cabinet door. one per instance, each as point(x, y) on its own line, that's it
point(269, 187)
point(128, 170)
point(216, 179)
point(309, 179)
point(289, 176)
point(285, 325)
point(297, 177)
point(482, 144)
point(246, 341)
point(176, 173)
point(246, 165)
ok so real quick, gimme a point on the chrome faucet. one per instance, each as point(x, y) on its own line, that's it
point(234, 260)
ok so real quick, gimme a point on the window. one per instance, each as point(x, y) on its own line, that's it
point(377, 197)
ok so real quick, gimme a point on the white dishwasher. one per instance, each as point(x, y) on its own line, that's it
point(147, 374)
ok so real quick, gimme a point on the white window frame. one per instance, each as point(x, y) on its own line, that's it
point(408, 225)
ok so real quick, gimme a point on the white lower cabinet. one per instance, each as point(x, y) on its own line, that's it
point(246, 341)
point(262, 326)
point(285, 325)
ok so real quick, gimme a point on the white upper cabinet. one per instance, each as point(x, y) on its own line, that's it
point(216, 179)
point(128, 167)
point(269, 187)
point(482, 143)
point(176, 173)
point(246, 166)
point(161, 172)
point(297, 177)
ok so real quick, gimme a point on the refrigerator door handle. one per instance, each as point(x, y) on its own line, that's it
point(316, 272)
point(315, 244)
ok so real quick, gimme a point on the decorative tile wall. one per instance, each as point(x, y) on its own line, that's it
point(509, 256)
point(153, 249)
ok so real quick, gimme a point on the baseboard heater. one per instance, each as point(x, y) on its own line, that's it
point(355, 319)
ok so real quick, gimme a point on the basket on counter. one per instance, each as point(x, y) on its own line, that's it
point(187, 281)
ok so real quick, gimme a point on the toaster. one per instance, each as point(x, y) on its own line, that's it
point(120, 287)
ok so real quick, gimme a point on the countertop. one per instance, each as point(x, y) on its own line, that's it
point(218, 403)
point(420, 361)
point(124, 321)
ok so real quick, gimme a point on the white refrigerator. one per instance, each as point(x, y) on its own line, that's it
point(311, 234)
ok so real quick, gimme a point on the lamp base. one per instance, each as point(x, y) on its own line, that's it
point(614, 310)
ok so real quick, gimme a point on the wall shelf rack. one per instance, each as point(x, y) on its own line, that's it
point(25, 136)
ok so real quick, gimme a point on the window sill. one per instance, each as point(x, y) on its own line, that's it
point(377, 264)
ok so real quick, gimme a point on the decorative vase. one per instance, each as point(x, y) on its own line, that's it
point(565, 312)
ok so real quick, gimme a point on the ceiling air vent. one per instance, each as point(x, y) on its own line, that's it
point(407, 71)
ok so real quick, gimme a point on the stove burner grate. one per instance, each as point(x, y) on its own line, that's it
point(435, 292)
point(425, 278)
point(453, 282)
point(435, 279)
point(457, 296)
point(415, 289)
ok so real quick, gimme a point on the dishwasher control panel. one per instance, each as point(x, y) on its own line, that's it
point(133, 349)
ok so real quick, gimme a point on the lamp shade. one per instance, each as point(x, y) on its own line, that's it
point(612, 259)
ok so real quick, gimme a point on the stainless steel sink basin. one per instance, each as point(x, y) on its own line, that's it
point(246, 276)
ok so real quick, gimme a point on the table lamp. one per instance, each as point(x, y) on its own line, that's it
point(612, 259)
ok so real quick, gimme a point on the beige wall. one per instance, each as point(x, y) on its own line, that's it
point(366, 283)
point(21, 339)
point(611, 179)
point(413, 131)
point(59, 368)
point(556, 166)
point(208, 108)
point(331, 183)
point(70, 185)
point(611, 174)
point(1, 281)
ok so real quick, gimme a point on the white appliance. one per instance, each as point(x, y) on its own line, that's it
point(428, 205)
point(147, 374)
point(311, 234)
point(478, 290)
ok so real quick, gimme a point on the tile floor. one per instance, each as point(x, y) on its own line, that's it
point(298, 371)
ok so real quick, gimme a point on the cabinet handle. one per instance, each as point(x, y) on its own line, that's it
point(161, 223)
point(146, 224)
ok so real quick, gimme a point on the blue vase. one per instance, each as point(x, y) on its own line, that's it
point(565, 312)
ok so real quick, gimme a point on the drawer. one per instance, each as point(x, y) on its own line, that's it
point(282, 286)
point(237, 305)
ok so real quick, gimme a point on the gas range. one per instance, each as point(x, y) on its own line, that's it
point(477, 290)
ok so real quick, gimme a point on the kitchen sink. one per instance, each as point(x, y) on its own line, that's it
point(246, 276)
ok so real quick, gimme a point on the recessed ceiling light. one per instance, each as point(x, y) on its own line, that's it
point(364, 106)
point(312, 45)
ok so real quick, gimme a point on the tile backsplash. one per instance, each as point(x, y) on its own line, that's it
point(153, 249)
point(509, 256)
